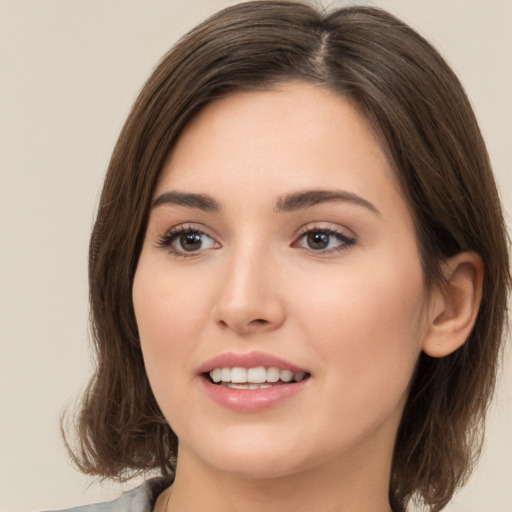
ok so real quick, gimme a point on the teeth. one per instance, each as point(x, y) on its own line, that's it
point(257, 375)
point(297, 377)
point(238, 377)
point(216, 375)
point(232, 385)
point(272, 374)
point(286, 375)
point(226, 374)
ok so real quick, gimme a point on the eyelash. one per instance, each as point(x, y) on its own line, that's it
point(167, 240)
point(345, 240)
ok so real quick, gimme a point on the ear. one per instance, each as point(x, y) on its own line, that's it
point(454, 305)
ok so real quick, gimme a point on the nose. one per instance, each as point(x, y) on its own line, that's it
point(249, 298)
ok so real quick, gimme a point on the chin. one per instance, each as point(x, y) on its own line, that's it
point(248, 455)
point(259, 467)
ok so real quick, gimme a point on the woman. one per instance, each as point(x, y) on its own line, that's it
point(296, 299)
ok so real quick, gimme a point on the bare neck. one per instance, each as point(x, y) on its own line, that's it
point(348, 485)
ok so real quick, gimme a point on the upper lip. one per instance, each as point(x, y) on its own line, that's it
point(248, 360)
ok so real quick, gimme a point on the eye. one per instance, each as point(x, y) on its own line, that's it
point(323, 240)
point(186, 241)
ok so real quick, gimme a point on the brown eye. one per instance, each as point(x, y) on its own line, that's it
point(188, 241)
point(324, 241)
point(318, 240)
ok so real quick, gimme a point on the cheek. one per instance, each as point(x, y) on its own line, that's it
point(368, 326)
point(166, 301)
point(168, 310)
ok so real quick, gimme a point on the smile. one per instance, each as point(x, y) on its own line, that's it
point(253, 381)
point(257, 377)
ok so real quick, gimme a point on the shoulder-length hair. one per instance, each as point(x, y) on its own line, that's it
point(419, 110)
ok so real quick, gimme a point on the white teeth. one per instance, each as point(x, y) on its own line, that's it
point(226, 374)
point(216, 375)
point(286, 375)
point(272, 374)
point(232, 385)
point(297, 377)
point(238, 374)
point(254, 376)
point(257, 375)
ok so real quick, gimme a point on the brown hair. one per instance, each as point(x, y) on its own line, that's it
point(420, 111)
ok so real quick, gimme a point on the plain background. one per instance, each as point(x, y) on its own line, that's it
point(69, 71)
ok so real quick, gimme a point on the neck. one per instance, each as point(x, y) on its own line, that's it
point(347, 485)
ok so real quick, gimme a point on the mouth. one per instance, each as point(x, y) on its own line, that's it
point(259, 377)
point(252, 382)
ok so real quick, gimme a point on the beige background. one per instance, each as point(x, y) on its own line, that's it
point(69, 70)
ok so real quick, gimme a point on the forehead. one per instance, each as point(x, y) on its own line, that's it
point(296, 136)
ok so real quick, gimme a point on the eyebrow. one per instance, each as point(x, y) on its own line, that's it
point(287, 203)
point(199, 201)
point(308, 198)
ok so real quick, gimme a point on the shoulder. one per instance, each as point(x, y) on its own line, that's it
point(140, 499)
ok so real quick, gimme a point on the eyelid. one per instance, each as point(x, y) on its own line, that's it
point(327, 227)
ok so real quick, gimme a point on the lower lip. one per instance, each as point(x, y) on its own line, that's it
point(252, 400)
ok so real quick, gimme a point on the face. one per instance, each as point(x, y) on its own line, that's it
point(279, 293)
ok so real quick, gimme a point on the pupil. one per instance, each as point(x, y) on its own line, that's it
point(318, 240)
point(190, 241)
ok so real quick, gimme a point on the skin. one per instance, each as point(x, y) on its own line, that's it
point(355, 316)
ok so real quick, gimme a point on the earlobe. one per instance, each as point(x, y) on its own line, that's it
point(455, 305)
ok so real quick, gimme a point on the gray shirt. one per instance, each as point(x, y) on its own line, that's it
point(140, 499)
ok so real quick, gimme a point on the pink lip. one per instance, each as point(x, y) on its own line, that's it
point(250, 400)
point(248, 360)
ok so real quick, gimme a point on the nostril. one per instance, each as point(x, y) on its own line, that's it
point(259, 321)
